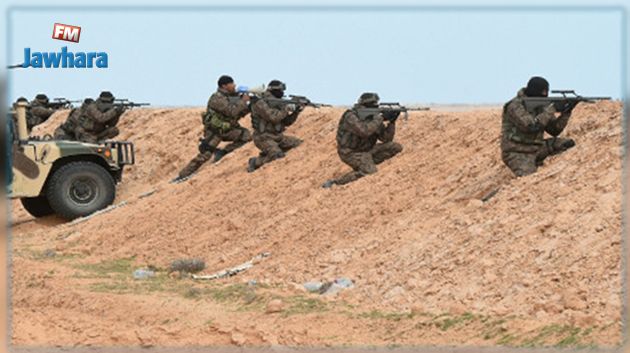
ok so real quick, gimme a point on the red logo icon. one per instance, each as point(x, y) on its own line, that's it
point(66, 32)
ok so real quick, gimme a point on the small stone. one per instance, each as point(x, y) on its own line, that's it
point(417, 309)
point(474, 203)
point(313, 287)
point(274, 306)
point(49, 253)
point(573, 301)
point(394, 293)
point(553, 307)
point(238, 338)
point(344, 282)
point(143, 273)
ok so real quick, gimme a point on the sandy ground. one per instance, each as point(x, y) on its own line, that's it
point(538, 264)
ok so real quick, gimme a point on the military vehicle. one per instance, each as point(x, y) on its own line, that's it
point(70, 178)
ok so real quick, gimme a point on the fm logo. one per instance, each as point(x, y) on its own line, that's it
point(66, 32)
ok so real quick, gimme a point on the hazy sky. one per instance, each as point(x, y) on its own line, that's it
point(171, 57)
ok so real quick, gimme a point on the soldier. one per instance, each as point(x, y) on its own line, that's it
point(220, 122)
point(66, 131)
point(98, 119)
point(523, 146)
point(357, 135)
point(38, 111)
point(270, 117)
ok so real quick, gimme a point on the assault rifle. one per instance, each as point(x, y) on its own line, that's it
point(62, 103)
point(389, 110)
point(299, 101)
point(124, 102)
point(563, 103)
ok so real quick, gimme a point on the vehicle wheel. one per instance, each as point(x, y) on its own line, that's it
point(80, 188)
point(37, 206)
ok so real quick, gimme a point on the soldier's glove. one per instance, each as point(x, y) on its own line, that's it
point(290, 108)
point(120, 109)
point(391, 116)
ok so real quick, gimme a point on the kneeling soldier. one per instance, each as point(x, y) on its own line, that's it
point(523, 146)
point(97, 121)
point(220, 122)
point(66, 131)
point(270, 117)
point(359, 130)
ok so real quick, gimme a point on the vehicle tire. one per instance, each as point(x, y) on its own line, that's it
point(37, 206)
point(80, 188)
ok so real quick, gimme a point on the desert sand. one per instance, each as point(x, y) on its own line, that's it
point(537, 264)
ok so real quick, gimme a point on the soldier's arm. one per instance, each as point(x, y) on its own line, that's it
point(387, 133)
point(96, 115)
point(290, 119)
point(556, 126)
point(525, 121)
point(265, 112)
point(363, 128)
point(233, 109)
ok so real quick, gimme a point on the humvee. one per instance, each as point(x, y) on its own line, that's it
point(70, 178)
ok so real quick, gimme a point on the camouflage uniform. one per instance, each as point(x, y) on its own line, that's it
point(357, 146)
point(269, 120)
point(97, 121)
point(37, 113)
point(220, 124)
point(523, 146)
point(66, 131)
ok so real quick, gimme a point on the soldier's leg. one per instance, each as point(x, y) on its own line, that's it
point(239, 137)
point(384, 151)
point(269, 150)
point(202, 157)
point(289, 142)
point(520, 164)
point(61, 134)
point(553, 146)
point(86, 137)
point(362, 164)
point(108, 133)
point(195, 164)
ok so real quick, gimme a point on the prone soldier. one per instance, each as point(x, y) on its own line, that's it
point(270, 117)
point(220, 121)
point(358, 133)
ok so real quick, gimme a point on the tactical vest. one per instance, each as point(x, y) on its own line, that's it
point(513, 133)
point(263, 126)
point(216, 121)
point(87, 123)
point(347, 139)
point(73, 120)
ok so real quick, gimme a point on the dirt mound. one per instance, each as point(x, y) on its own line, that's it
point(414, 238)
